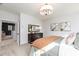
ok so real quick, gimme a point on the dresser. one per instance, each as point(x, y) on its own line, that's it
point(33, 36)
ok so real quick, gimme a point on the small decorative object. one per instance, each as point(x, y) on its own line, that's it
point(62, 26)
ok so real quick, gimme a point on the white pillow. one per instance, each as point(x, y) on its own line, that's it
point(70, 38)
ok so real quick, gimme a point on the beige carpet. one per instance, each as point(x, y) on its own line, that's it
point(11, 48)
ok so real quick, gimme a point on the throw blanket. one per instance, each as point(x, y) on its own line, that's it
point(42, 42)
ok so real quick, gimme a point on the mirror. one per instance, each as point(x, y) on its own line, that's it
point(33, 28)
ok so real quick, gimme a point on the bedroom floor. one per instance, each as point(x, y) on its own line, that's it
point(12, 49)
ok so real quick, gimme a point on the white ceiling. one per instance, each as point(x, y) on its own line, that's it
point(34, 9)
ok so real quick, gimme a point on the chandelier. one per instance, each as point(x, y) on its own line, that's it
point(46, 9)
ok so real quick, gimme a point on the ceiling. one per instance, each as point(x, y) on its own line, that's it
point(34, 8)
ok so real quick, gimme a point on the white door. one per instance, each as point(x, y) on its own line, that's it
point(18, 33)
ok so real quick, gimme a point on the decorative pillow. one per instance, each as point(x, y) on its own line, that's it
point(70, 38)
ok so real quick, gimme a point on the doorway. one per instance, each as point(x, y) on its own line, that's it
point(8, 31)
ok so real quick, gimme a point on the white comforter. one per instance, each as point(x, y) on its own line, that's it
point(68, 50)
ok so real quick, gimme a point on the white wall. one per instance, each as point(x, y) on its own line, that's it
point(4, 15)
point(72, 18)
point(24, 21)
point(8, 16)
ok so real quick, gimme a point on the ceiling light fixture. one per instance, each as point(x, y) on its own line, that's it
point(46, 9)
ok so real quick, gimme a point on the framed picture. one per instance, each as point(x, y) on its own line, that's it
point(62, 26)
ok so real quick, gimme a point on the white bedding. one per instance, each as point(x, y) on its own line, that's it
point(67, 50)
point(64, 49)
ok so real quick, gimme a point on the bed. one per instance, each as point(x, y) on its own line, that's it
point(55, 46)
point(47, 46)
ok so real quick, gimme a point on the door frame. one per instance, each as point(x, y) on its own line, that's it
point(16, 29)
